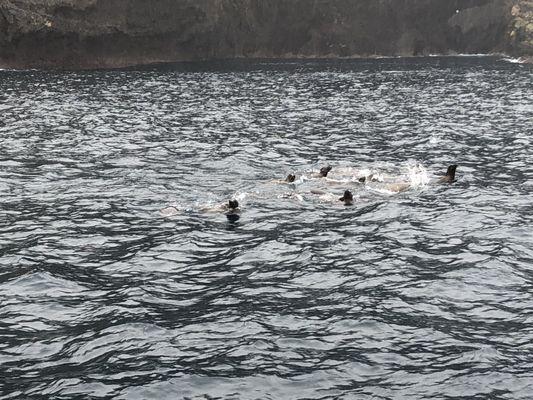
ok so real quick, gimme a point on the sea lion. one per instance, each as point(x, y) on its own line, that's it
point(230, 206)
point(369, 178)
point(289, 179)
point(347, 198)
point(397, 187)
point(169, 211)
point(233, 211)
point(450, 175)
point(329, 197)
point(324, 171)
point(233, 205)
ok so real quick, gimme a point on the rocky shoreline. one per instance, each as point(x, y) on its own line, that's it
point(84, 34)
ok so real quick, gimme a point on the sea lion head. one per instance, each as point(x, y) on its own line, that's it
point(347, 198)
point(290, 178)
point(324, 171)
point(233, 204)
point(450, 173)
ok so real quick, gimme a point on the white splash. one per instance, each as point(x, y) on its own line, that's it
point(418, 175)
point(295, 196)
point(434, 139)
point(240, 196)
point(364, 172)
point(351, 175)
point(301, 180)
point(513, 60)
point(328, 198)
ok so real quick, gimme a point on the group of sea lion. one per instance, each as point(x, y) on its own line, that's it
point(232, 210)
point(232, 207)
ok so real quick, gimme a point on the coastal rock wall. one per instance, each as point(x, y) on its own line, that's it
point(115, 33)
point(521, 30)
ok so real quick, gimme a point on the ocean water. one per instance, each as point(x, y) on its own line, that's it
point(419, 294)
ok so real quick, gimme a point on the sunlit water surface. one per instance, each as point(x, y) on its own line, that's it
point(421, 294)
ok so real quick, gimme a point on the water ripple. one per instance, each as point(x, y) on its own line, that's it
point(420, 294)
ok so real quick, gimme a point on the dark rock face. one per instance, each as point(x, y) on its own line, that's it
point(115, 33)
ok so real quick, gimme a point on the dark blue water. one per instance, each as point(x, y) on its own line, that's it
point(426, 293)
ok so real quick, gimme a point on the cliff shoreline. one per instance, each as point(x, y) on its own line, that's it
point(87, 34)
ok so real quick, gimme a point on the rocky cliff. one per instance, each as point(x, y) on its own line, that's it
point(520, 34)
point(114, 33)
